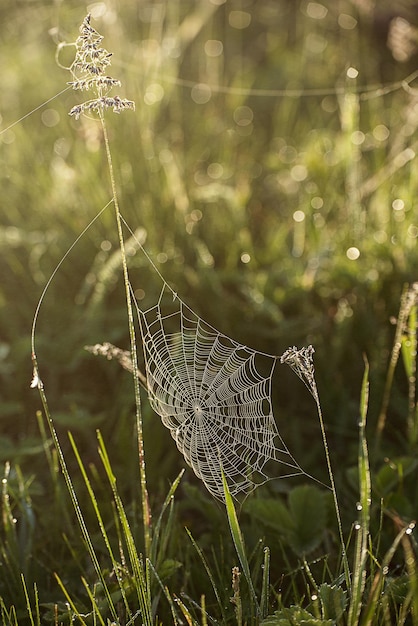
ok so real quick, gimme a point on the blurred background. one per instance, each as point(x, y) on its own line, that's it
point(269, 170)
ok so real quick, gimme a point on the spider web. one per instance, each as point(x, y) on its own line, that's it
point(214, 395)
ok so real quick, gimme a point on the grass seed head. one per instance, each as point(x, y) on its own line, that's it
point(89, 73)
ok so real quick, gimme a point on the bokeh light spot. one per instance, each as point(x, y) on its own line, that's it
point(239, 19)
point(352, 72)
point(316, 10)
point(353, 253)
point(201, 93)
point(214, 47)
point(50, 117)
point(298, 216)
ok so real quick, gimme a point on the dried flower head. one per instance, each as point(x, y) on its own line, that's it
point(89, 73)
point(301, 362)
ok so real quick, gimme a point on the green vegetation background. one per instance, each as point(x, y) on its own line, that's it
point(274, 189)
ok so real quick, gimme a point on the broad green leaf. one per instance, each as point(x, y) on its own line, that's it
point(301, 524)
point(333, 601)
point(272, 513)
point(308, 510)
point(295, 616)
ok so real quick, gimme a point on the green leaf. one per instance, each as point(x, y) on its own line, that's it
point(301, 524)
point(272, 513)
point(333, 601)
point(308, 510)
point(238, 540)
point(295, 616)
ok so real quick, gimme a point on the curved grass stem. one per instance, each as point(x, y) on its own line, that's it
point(146, 512)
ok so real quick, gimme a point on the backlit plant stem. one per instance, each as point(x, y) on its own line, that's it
point(146, 513)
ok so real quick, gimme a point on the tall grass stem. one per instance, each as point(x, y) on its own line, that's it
point(146, 512)
point(362, 527)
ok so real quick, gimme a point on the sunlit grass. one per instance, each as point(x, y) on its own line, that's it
point(275, 189)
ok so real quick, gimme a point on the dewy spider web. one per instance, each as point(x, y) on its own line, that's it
point(211, 394)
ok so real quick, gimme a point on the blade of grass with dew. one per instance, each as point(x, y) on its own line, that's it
point(379, 580)
point(309, 574)
point(157, 528)
point(140, 575)
point(53, 466)
point(8, 540)
point(201, 608)
point(96, 611)
point(8, 616)
point(71, 605)
point(411, 567)
point(239, 543)
point(101, 524)
point(409, 354)
point(403, 314)
point(61, 510)
point(209, 573)
point(37, 621)
point(132, 620)
point(165, 591)
point(363, 507)
point(186, 613)
point(161, 545)
point(265, 584)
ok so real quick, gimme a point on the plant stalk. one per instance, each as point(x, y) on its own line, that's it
point(146, 512)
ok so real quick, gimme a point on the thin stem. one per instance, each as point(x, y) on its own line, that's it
point(70, 487)
point(334, 492)
point(362, 528)
point(397, 344)
point(301, 362)
point(146, 512)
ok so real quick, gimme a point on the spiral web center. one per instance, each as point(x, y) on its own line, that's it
point(197, 410)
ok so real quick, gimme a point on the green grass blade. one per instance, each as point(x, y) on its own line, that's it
point(140, 577)
point(409, 353)
point(165, 591)
point(8, 617)
point(209, 573)
point(71, 491)
point(96, 610)
point(265, 585)
point(186, 613)
point(156, 534)
point(28, 605)
point(201, 607)
point(239, 542)
point(404, 311)
point(378, 582)
point(71, 604)
point(363, 529)
point(102, 530)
